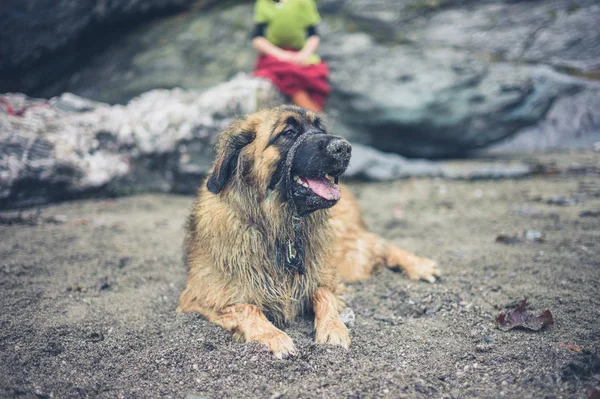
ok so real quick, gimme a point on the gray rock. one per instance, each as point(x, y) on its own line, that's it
point(443, 78)
point(572, 122)
point(557, 33)
point(370, 164)
point(348, 317)
point(160, 141)
point(571, 41)
point(195, 50)
point(35, 28)
point(418, 78)
point(437, 102)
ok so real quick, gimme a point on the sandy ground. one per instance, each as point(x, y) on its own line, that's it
point(88, 305)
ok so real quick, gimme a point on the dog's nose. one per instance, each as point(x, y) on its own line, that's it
point(340, 149)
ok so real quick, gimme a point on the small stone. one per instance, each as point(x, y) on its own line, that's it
point(436, 308)
point(59, 219)
point(102, 284)
point(534, 235)
point(95, 336)
point(562, 200)
point(348, 317)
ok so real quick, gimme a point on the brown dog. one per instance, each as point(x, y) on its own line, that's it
point(262, 242)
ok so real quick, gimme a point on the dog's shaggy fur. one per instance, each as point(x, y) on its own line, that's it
point(242, 219)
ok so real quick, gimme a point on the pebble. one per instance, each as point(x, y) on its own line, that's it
point(434, 309)
point(482, 348)
point(562, 200)
point(348, 317)
point(534, 235)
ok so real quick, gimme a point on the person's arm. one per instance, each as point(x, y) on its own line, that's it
point(260, 43)
point(264, 46)
point(310, 47)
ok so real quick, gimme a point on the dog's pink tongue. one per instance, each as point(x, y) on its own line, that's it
point(323, 188)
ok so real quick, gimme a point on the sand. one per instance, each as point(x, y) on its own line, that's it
point(88, 301)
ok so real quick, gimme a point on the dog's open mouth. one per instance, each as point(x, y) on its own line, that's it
point(325, 187)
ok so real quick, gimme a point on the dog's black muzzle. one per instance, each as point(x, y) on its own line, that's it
point(322, 154)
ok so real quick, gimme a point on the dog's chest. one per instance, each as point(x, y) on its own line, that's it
point(285, 295)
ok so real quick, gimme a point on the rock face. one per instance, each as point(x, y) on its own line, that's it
point(161, 141)
point(573, 122)
point(442, 78)
point(454, 104)
point(194, 50)
point(35, 28)
point(424, 78)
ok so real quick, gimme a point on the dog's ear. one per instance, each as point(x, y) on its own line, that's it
point(228, 152)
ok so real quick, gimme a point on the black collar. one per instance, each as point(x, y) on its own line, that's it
point(293, 247)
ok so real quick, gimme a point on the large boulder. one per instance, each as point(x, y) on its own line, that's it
point(71, 147)
point(426, 78)
point(443, 78)
point(573, 122)
point(45, 40)
point(32, 29)
point(160, 141)
point(194, 50)
point(439, 102)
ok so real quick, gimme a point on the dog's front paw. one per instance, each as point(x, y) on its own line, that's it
point(333, 333)
point(422, 268)
point(278, 342)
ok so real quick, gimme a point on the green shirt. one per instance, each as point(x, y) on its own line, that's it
point(287, 22)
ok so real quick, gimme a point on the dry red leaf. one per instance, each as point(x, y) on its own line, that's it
point(572, 347)
point(520, 318)
point(594, 393)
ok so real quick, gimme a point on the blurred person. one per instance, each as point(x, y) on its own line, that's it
point(287, 39)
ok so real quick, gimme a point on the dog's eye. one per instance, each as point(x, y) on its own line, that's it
point(289, 133)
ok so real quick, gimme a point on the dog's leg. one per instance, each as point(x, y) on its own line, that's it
point(248, 323)
point(358, 258)
point(328, 325)
point(414, 266)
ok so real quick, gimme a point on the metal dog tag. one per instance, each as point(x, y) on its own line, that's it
point(291, 252)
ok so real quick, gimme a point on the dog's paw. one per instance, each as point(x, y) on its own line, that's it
point(424, 269)
point(278, 342)
point(333, 333)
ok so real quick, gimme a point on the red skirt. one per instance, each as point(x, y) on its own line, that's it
point(292, 78)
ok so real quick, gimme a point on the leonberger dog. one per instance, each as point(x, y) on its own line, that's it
point(271, 233)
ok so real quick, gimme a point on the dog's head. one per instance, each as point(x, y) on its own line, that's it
point(283, 151)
